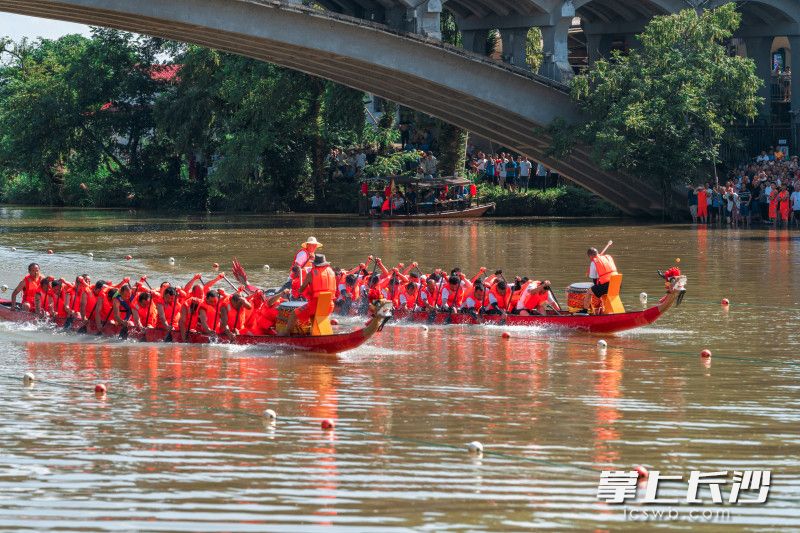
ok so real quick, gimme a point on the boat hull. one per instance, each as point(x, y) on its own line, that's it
point(591, 323)
point(472, 212)
point(329, 344)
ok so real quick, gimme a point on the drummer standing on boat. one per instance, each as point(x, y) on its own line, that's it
point(320, 279)
point(601, 268)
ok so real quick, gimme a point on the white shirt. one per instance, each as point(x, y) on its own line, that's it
point(376, 201)
point(525, 168)
point(540, 170)
point(301, 258)
point(795, 197)
point(593, 271)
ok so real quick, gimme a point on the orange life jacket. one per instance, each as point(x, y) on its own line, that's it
point(503, 298)
point(171, 312)
point(30, 287)
point(515, 296)
point(104, 303)
point(322, 280)
point(59, 306)
point(77, 293)
point(472, 303)
point(411, 299)
point(91, 303)
point(147, 314)
point(532, 301)
point(604, 264)
point(211, 315)
point(453, 298)
point(191, 315)
point(236, 319)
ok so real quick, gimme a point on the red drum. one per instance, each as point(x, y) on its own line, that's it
point(576, 296)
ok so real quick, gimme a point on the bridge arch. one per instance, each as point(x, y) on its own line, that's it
point(507, 105)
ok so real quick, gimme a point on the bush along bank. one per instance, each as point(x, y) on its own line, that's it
point(561, 201)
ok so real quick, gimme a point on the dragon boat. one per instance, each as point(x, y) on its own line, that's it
point(616, 321)
point(317, 343)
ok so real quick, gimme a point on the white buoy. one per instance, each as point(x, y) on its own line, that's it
point(90, 254)
point(4, 288)
point(602, 345)
point(475, 447)
point(266, 267)
point(271, 415)
point(643, 297)
point(13, 248)
point(425, 329)
point(28, 379)
point(171, 261)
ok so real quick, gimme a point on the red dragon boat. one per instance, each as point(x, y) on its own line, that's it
point(610, 323)
point(328, 344)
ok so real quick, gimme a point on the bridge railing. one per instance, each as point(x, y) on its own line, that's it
point(299, 8)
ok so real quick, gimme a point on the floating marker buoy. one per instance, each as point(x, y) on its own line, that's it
point(90, 254)
point(334, 322)
point(266, 267)
point(128, 257)
point(602, 345)
point(13, 248)
point(28, 379)
point(49, 252)
point(475, 447)
point(677, 259)
point(425, 329)
point(171, 261)
point(506, 335)
point(271, 415)
point(328, 424)
point(215, 266)
point(4, 288)
point(705, 353)
point(643, 297)
point(725, 302)
point(642, 471)
point(100, 389)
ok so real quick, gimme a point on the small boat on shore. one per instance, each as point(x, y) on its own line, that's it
point(329, 344)
point(430, 199)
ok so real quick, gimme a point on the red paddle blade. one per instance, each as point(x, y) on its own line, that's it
point(238, 271)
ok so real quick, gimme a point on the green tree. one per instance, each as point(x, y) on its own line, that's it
point(660, 112)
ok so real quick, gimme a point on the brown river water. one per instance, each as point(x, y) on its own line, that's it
point(180, 444)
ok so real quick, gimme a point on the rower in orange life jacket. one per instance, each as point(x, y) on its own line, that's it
point(321, 279)
point(473, 303)
point(29, 287)
point(208, 314)
point(601, 268)
point(43, 300)
point(168, 309)
point(233, 316)
point(533, 298)
point(499, 298)
point(408, 297)
point(145, 314)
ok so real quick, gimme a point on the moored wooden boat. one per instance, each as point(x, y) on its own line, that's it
point(469, 212)
point(331, 344)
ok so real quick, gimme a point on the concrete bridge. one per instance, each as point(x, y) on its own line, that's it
point(393, 48)
point(495, 100)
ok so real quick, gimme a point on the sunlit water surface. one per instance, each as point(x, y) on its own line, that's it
point(179, 442)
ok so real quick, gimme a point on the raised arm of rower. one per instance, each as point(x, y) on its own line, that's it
point(188, 287)
point(409, 268)
point(382, 267)
point(480, 273)
point(213, 282)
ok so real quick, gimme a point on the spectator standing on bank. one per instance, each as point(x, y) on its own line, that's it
point(541, 175)
point(524, 172)
point(692, 202)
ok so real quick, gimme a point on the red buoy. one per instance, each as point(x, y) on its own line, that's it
point(726, 302)
point(334, 322)
point(128, 257)
point(50, 252)
point(705, 353)
point(99, 389)
point(642, 471)
point(215, 266)
point(506, 335)
point(328, 424)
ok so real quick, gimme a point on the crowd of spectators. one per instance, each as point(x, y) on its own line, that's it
point(765, 190)
point(509, 172)
point(348, 164)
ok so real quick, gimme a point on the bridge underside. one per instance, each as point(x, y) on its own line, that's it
point(488, 99)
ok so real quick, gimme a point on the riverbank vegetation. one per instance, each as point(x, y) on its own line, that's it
point(559, 201)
